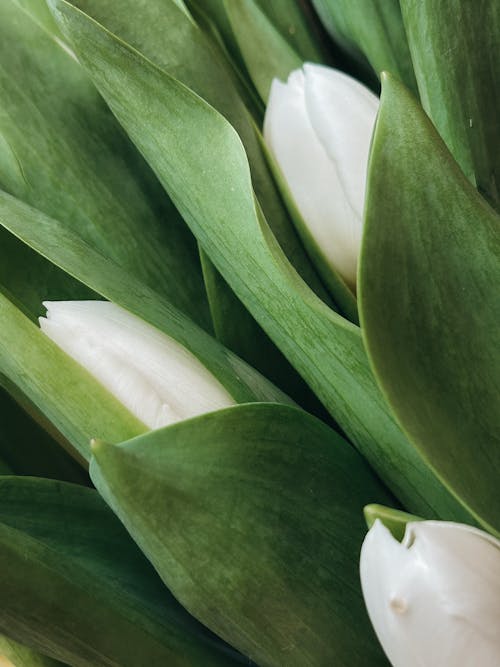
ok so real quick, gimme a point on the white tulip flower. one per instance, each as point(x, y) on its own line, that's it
point(318, 127)
point(155, 377)
point(434, 598)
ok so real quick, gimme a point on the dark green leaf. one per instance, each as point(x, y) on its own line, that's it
point(253, 518)
point(430, 310)
point(28, 449)
point(75, 587)
point(374, 28)
point(455, 47)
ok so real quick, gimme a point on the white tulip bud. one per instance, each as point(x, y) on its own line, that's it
point(434, 598)
point(155, 377)
point(318, 127)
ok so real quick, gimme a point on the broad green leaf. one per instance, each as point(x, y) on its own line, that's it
point(169, 37)
point(13, 654)
point(67, 156)
point(75, 587)
point(265, 51)
point(272, 499)
point(182, 137)
point(394, 520)
point(71, 253)
point(29, 450)
point(430, 268)
point(455, 47)
point(76, 404)
point(374, 28)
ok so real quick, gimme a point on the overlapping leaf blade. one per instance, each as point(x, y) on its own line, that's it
point(68, 251)
point(169, 37)
point(430, 268)
point(455, 49)
point(73, 402)
point(181, 137)
point(375, 28)
point(253, 517)
point(28, 449)
point(22, 656)
point(63, 152)
point(75, 587)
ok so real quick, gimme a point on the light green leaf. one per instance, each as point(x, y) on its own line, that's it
point(430, 311)
point(182, 137)
point(374, 28)
point(394, 520)
point(273, 500)
point(455, 47)
point(68, 157)
point(74, 586)
point(59, 388)
point(28, 449)
point(22, 656)
point(169, 37)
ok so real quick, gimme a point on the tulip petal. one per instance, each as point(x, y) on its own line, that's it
point(310, 174)
point(433, 599)
point(155, 377)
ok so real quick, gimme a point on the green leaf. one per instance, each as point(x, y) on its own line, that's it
point(71, 253)
point(22, 656)
point(28, 449)
point(182, 137)
point(168, 36)
point(30, 279)
point(455, 47)
point(62, 390)
point(430, 265)
point(394, 520)
point(374, 28)
point(74, 586)
point(68, 157)
point(296, 21)
point(273, 500)
point(265, 51)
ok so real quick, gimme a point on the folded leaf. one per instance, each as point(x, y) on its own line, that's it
point(75, 587)
point(253, 517)
point(182, 137)
point(375, 28)
point(454, 47)
point(68, 157)
point(429, 306)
